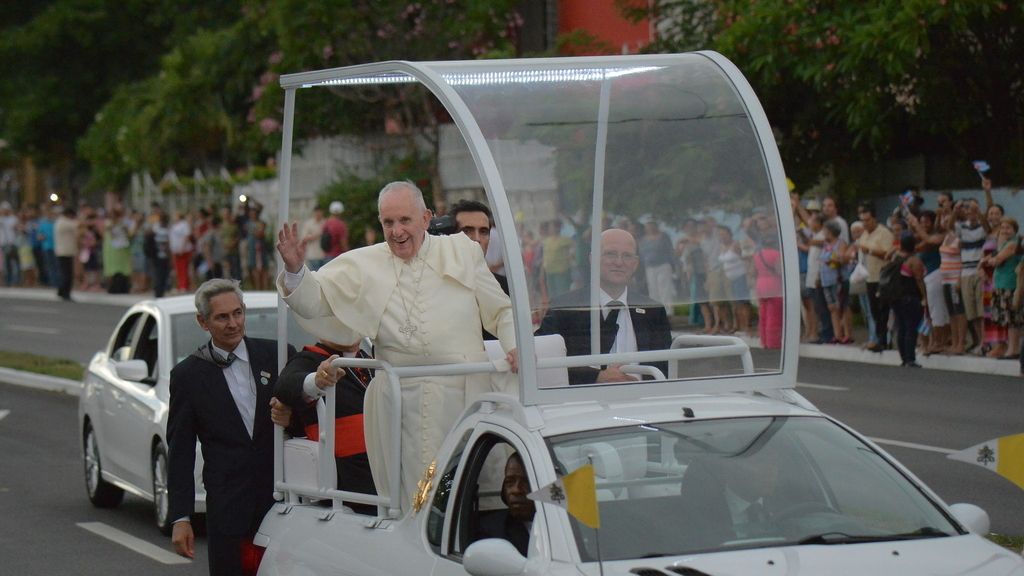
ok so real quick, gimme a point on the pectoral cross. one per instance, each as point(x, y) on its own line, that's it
point(408, 329)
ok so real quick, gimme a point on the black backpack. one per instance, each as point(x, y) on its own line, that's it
point(890, 285)
point(326, 240)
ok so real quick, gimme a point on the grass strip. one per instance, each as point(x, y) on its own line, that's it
point(1014, 543)
point(26, 362)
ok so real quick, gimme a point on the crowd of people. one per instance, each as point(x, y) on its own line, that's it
point(120, 250)
point(945, 279)
point(957, 286)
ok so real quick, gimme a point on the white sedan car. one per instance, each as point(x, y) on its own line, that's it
point(724, 484)
point(122, 410)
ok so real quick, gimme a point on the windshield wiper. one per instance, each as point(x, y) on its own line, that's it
point(843, 538)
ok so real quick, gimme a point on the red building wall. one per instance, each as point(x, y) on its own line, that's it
point(602, 19)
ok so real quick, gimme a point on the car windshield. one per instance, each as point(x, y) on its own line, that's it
point(186, 335)
point(686, 487)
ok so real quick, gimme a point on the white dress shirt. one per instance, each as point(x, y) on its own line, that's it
point(241, 384)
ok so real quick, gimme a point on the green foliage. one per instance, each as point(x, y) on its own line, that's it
point(192, 114)
point(847, 81)
point(63, 60)
point(360, 194)
point(158, 85)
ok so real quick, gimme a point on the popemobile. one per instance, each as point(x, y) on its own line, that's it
point(697, 456)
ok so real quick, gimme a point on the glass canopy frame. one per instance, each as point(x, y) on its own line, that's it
point(443, 80)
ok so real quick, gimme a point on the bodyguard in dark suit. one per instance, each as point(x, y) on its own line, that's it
point(221, 395)
point(630, 321)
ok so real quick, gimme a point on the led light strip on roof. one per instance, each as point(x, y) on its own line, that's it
point(496, 77)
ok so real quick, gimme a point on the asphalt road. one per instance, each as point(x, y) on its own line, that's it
point(937, 411)
point(919, 416)
point(49, 526)
point(68, 330)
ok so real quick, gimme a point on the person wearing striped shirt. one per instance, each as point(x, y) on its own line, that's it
point(972, 234)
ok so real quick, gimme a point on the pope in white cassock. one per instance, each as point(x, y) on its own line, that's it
point(422, 299)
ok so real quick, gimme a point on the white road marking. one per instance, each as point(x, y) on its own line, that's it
point(4, 413)
point(913, 445)
point(33, 329)
point(35, 310)
point(822, 387)
point(898, 443)
point(132, 543)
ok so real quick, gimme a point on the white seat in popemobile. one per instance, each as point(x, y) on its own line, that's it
point(547, 346)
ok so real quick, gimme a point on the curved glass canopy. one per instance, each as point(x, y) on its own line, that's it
point(643, 185)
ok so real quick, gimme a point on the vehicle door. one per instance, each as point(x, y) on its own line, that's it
point(103, 392)
point(469, 504)
point(135, 404)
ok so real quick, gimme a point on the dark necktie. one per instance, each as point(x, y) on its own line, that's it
point(613, 312)
point(220, 360)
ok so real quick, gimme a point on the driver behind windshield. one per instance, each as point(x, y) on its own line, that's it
point(514, 523)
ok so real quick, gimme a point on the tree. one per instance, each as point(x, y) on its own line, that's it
point(192, 114)
point(847, 81)
point(346, 32)
point(63, 60)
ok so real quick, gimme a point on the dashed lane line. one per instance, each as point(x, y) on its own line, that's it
point(4, 413)
point(885, 441)
point(913, 445)
point(822, 387)
point(33, 329)
point(132, 543)
point(34, 310)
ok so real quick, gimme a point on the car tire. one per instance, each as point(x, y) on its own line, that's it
point(101, 493)
point(161, 498)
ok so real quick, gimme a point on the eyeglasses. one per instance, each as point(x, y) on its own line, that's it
point(613, 256)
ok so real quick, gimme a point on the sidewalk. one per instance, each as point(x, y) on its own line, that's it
point(46, 294)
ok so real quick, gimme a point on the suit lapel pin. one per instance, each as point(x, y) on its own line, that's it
point(640, 310)
point(264, 377)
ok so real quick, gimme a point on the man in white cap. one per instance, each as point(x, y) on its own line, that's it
point(337, 230)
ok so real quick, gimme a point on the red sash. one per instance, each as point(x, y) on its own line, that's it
point(348, 435)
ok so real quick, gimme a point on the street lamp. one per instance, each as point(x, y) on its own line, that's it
point(54, 198)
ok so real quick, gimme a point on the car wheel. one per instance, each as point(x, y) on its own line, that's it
point(102, 494)
point(161, 499)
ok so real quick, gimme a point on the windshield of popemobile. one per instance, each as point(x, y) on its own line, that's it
point(662, 164)
point(685, 487)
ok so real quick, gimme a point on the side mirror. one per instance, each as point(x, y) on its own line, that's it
point(493, 557)
point(974, 518)
point(132, 370)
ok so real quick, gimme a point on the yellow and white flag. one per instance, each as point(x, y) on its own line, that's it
point(1004, 456)
point(575, 492)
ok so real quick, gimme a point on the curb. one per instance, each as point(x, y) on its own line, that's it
point(40, 382)
point(49, 295)
point(965, 363)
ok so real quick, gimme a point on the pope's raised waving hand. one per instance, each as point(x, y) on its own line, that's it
point(291, 248)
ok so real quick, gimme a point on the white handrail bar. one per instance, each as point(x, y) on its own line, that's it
point(707, 347)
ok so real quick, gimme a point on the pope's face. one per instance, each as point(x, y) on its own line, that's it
point(404, 223)
point(226, 322)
